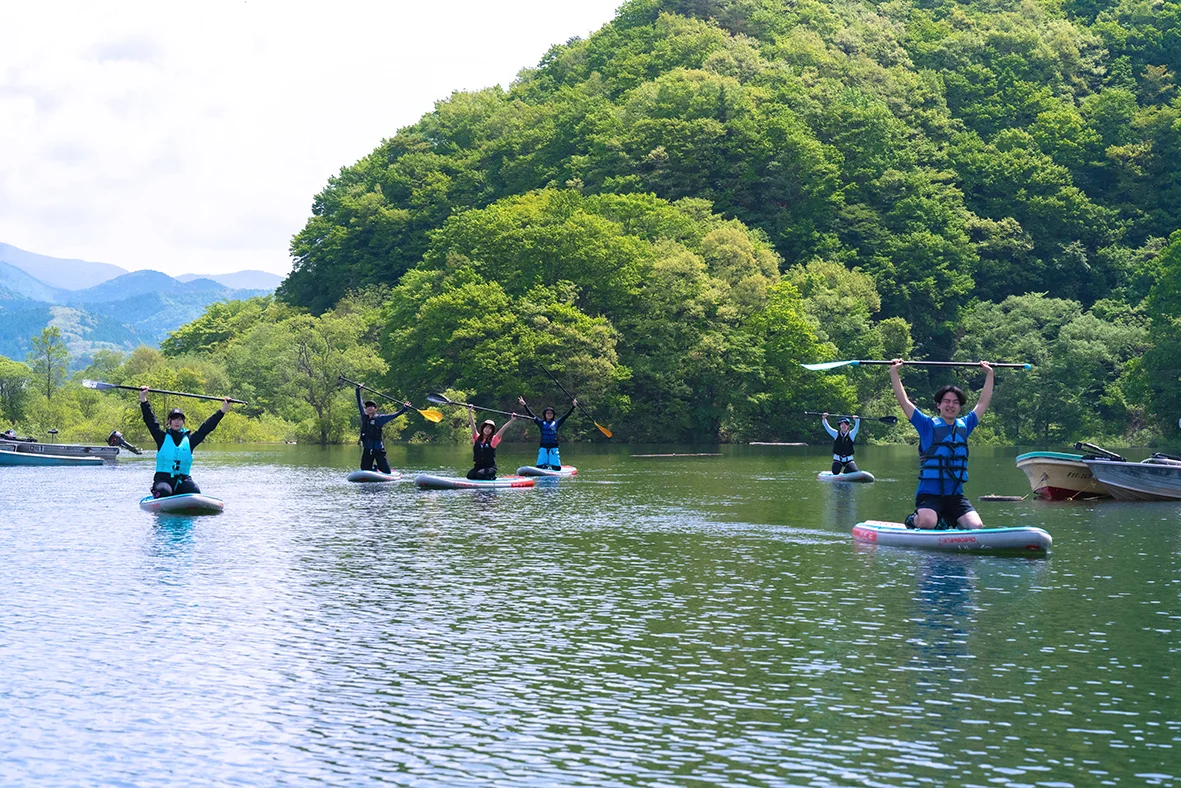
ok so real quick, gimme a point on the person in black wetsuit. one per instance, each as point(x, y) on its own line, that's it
point(547, 455)
point(174, 447)
point(485, 439)
point(372, 442)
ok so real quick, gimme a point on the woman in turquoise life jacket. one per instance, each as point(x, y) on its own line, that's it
point(485, 439)
point(174, 447)
point(842, 443)
point(548, 456)
point(943, 451)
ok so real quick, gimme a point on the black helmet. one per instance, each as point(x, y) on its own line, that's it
point(176, 413)
point(370, 403)
point(548, 410)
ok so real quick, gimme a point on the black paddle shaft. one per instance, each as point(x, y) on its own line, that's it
point(177, 393)
point(372, 391)
point(439, 399)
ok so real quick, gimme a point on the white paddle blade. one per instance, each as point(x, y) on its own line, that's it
point(829, 365)
point(94, 384)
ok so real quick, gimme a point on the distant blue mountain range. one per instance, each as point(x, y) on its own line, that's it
point(97, 305)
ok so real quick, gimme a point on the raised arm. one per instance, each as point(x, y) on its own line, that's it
point(386, 418)
point(471, 419)
point(145, 409)
point(828, 427)
point(360, 407)
point(507, 424)
point(986, 392)
point(526, 407)
point(209, 424)
point(856, 426)
point(562, 420)
point(899, 392)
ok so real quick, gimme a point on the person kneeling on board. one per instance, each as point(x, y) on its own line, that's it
point(174, 447)
point(943, 452)
point(842, 444)
point(548, 456)
point(372, 442)
point(484, 443)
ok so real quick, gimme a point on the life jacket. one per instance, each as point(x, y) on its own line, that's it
point(371, 437)
point(484, 454)
point(549, 433)
point(842, 445)
point(946, 460)
point(172, 459)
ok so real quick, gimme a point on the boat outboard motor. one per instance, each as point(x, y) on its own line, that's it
point(116, 439)
point(1098, 452)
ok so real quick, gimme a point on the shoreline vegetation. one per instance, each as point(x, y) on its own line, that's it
point(674, 213)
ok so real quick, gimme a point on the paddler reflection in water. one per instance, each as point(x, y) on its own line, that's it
point(174, 447)
point(842, 443)
point(943, 452)
point(485, 439)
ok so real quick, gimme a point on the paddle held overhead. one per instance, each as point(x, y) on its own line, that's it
point(439, 399)
point(882, 419)
point(827, 365)
point(429, 414)
point(94, 384)
point(577, 404)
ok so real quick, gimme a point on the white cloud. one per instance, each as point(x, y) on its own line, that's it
point(193, 139)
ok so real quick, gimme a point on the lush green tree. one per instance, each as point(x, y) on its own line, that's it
point(1158, 379)
point(49, 359)
point(15, 382)
point(1080, 362)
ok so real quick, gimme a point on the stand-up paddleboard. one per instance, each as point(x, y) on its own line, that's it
point(429, 482)
point(532, 470)
point(373, 476)
point(1025, 540)
point(187, 503)
point(855, 476)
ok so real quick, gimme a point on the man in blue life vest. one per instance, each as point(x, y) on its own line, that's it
point(372, 441)
point(842, 443)
point(943, 452)
point(174, 447)
point(548, 456)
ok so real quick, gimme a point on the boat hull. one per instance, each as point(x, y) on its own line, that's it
point(1054, 476)
point(1020, 541)
point(1138, 481)
point(10, 458)
point(856, 476)
point(532, 470)
point(61, 449)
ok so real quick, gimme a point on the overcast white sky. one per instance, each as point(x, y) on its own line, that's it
point(192, 136)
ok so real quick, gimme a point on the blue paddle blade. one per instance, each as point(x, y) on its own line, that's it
point(829, 365)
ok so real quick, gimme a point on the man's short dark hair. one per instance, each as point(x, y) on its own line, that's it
point(943, 390)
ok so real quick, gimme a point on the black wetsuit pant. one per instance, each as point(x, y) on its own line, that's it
point(164, 484)
point(843, 467)
point(371, 456)
point(476, 474)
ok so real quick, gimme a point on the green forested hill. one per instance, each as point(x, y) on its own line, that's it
point(953, 159)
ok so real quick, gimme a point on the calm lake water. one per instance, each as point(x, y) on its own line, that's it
point(654, 622)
